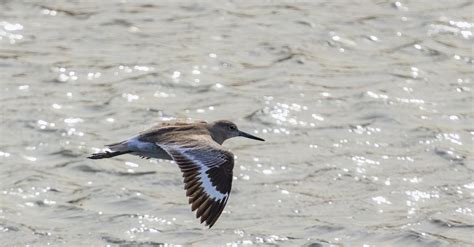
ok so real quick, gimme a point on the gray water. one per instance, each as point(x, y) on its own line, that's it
point(366, 106)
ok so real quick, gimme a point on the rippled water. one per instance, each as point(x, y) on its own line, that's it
point(367, 108)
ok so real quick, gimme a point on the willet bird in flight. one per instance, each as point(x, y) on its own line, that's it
point(196, 148)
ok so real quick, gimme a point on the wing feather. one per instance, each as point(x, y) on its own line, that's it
point(207, 175)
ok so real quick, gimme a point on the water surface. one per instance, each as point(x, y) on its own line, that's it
point(366, 106)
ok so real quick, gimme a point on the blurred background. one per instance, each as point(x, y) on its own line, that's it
point(366, 106)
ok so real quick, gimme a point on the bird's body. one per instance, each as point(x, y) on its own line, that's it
point(196, 148)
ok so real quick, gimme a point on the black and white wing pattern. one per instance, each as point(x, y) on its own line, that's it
point(207, 172)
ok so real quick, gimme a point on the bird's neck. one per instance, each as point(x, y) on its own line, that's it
point(216, 135)
point(218, 138)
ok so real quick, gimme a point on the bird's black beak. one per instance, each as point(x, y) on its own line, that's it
point(243, 134)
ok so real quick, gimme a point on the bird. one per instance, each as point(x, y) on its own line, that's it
point(196, 147)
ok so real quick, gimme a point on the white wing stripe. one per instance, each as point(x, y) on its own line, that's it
point(210, 189)
point(206, 182)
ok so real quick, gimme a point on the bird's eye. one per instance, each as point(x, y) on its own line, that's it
point(232, 127)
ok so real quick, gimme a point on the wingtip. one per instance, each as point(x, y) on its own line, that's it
point(210, 225)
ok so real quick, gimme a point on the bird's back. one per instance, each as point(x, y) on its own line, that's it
point(173, 131)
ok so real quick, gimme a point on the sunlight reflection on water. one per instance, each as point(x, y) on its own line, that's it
point(367, 118)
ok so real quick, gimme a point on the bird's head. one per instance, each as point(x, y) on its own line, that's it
point(223, 129)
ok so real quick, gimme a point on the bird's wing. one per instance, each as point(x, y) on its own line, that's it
point(207, 172)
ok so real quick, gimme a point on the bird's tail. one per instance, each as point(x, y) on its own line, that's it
point(107, 154)
point(116, 149)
